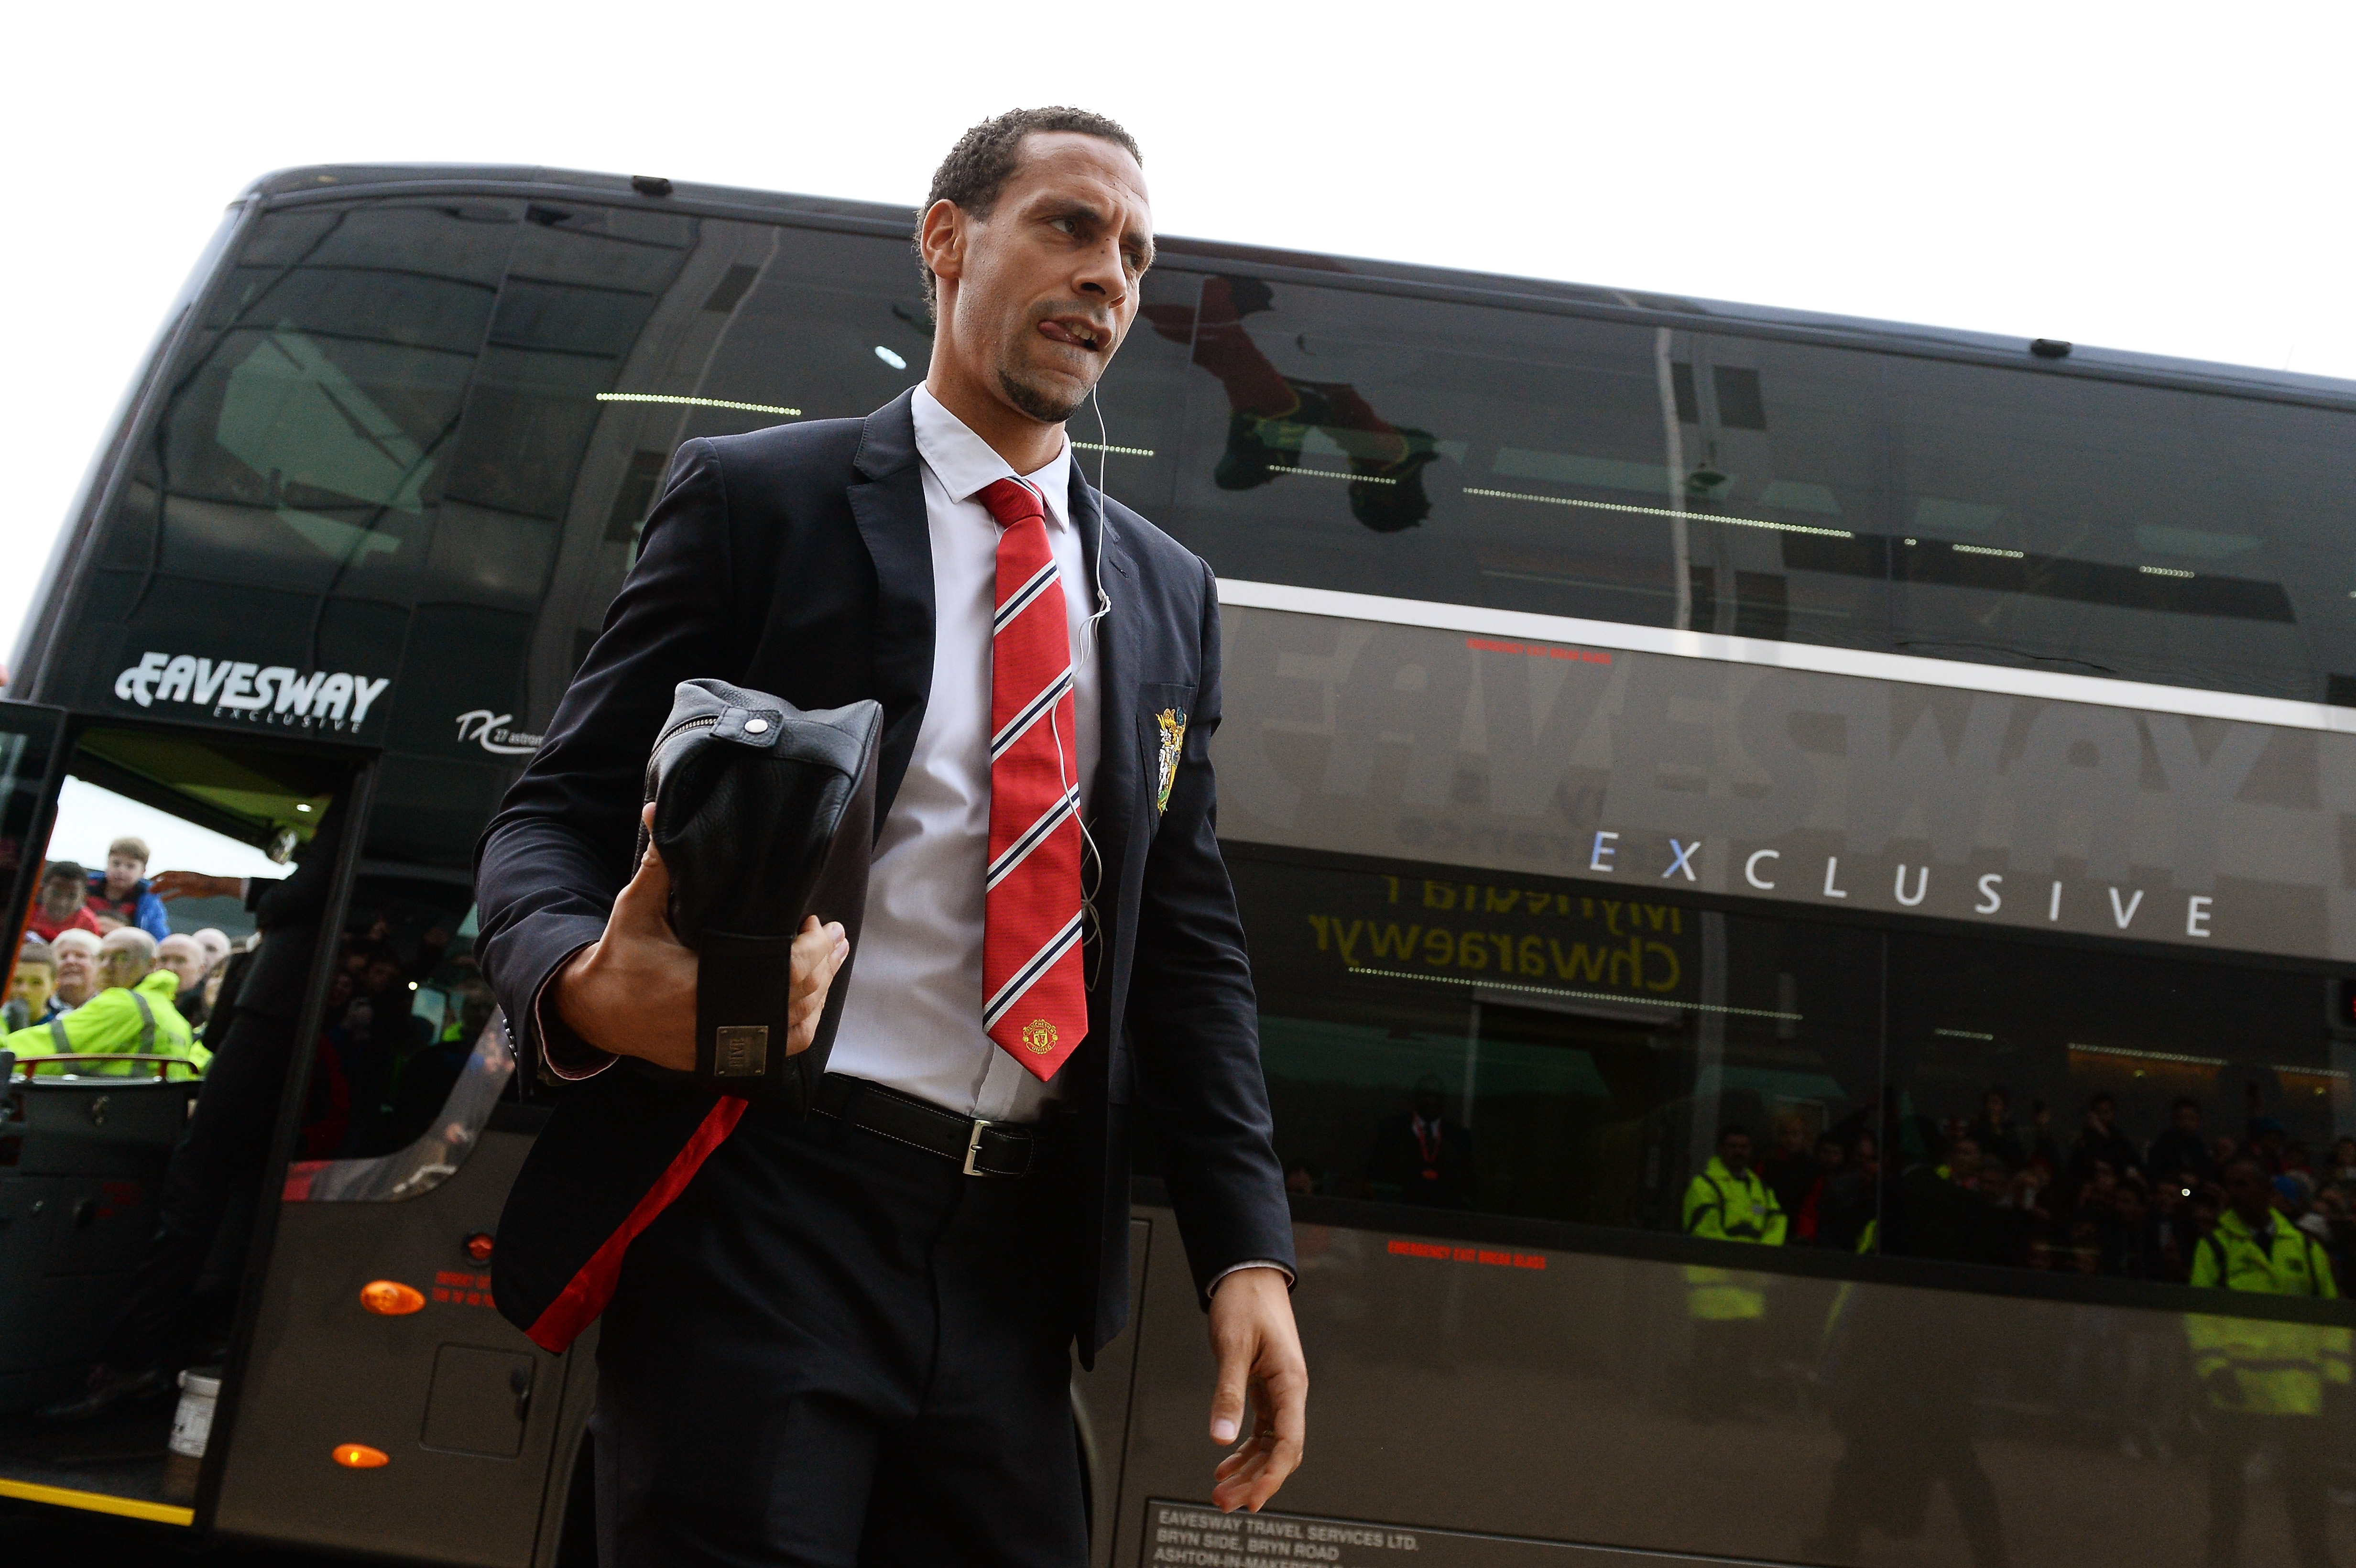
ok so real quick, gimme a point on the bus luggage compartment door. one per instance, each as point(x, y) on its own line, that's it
point(464, 1409)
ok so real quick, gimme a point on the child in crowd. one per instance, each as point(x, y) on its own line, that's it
point(34, 985)
point(121, 895)
point(64, 886)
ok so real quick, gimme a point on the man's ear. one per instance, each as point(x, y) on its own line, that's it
point(943, 237)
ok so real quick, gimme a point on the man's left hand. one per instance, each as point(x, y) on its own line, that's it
point(1263, 1380)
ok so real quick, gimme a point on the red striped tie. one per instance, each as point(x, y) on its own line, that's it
point(1034, 1000)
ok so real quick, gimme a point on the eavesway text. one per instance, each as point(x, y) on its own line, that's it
point(269, 693)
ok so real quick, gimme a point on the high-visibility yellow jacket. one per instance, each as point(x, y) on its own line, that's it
point(1724, 1207)
point(139, 1021)
point(2249, 1365)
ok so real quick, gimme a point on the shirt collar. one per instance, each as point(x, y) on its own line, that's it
point(964, 462)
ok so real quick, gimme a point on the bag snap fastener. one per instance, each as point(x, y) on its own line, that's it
point(756, 725)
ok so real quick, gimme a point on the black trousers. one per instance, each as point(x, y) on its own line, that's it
point(836, 1350)
point(2296, 1443)
point(1884, 1478)
point(223, 1149)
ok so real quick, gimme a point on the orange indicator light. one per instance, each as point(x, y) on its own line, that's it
point(360, 1456)
point(391, 1298)
point(478, 1247)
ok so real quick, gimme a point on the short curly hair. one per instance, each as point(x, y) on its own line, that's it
point(986, 157)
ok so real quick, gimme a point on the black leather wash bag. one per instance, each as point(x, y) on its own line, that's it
point(765, 815)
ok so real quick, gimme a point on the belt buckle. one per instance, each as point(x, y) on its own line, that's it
point(973, 1148)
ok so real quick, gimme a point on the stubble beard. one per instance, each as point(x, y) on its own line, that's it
point(1035, 400)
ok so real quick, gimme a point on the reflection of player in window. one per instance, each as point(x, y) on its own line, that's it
point(1419, 1156)
point(1271, 414)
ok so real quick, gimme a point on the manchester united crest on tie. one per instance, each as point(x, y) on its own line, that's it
point(1172, 721)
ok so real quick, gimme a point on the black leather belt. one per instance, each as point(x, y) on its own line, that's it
point(982, 1148)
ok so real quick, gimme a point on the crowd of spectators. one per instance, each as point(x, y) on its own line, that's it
point(383, 1068)
point(2003, 1188)
point(91, 936)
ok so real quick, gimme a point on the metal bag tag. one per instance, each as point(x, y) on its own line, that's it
point(740, 1051)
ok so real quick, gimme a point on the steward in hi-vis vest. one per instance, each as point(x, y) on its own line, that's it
point(2248, 1364)
point(1728, 1202)
point(127, 1019)
point(2265, 1379)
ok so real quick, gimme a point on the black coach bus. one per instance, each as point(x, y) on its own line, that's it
point(1797, 870)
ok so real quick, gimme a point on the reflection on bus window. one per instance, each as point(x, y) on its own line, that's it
point(1438, 1037)
point(1279, 423)
point(2138, 531)
point(1526, 462)
point(2078, 1112)
point(312, 438)
point(299, 423)
point(1523, 1046)
point(1762, 488)
point(406, 1005)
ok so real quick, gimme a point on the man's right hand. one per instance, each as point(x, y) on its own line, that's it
point(632, 991)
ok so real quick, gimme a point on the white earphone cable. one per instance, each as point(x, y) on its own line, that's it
point(1104, 446)
point(1104, 607)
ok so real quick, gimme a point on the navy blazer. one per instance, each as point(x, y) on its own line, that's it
point(797, 561)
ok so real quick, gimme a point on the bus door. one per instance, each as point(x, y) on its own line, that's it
point(172, 893)
point(387, 1407)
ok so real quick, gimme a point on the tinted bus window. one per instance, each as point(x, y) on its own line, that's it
point(316, 427)
point(1520, 1046)
point(311, 430)
point(1448, 1039)
point(1530, 462)
point(1782, 450)
point(1526, 460)
point(2071, 1111)
point(1338, 438)
point(409, 450)
point(285, 517)
point(405, 1006)
point(2136, 531)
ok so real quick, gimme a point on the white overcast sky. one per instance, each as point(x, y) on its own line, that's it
point(2156, 177)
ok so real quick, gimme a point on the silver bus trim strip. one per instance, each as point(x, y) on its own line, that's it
point(2140, 696)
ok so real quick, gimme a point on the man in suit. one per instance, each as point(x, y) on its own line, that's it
point(1419, 1156)
point(847, 1339)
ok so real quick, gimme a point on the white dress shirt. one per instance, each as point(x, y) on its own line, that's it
point(914, 1016)
point(913, 1020)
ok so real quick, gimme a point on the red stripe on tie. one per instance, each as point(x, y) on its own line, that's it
point(1034, 996)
